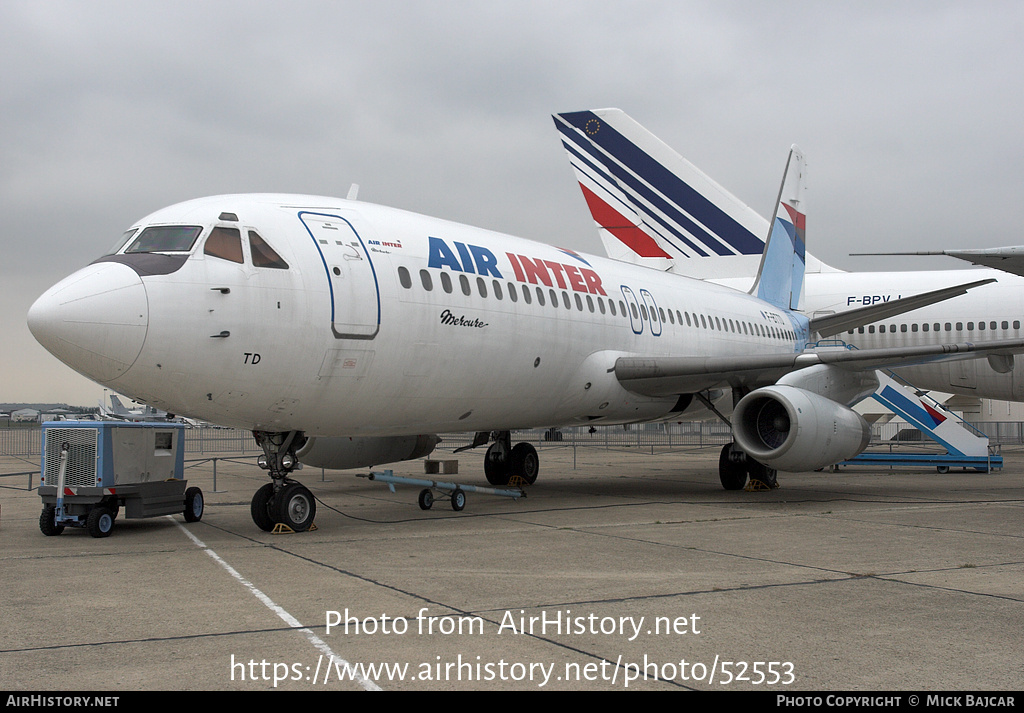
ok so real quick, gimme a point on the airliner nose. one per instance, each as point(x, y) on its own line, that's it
point(94, 321)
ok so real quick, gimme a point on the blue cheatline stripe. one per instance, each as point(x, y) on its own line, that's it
point(599, 178)
point(668, 184)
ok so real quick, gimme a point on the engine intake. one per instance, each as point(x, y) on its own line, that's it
point(792, 429)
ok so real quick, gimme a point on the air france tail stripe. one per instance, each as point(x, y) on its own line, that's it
point(681, 197)
point(621, 227)
point(604, 180)
point(650, 203)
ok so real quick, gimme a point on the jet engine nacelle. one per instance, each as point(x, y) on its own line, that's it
point(793, 429)
point(341, 453)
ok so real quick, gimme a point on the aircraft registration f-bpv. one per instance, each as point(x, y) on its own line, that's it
point(346, 334)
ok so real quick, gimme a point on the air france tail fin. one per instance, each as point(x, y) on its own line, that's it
point(780, 277)
point(653, 207)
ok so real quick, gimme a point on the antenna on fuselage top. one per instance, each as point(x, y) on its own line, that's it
point(353, 191)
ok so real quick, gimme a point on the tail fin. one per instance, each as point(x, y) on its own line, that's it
point(653, 207)
point(118, 407)
point(780, 277)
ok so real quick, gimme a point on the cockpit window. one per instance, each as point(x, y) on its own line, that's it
point(263, 255)
point(122, 241)
point(225, 243)
point(165, 239)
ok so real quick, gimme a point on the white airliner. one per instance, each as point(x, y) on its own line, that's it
point(654, 208)
point(346, 334)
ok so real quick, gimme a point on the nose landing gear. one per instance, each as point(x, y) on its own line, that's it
point(283, 501)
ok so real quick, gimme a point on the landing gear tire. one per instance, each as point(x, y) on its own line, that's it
point(426, 499)
point(458, 500)
point(496, 469)
point(295, 507)
point(194, 505)
point(733, 474)
point(525, 463)
point(259, 508)
point(100, 522)
point(47, 525)
point(942, 469)
point(768, 477)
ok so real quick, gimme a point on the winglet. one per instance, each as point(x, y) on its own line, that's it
point(780, 277)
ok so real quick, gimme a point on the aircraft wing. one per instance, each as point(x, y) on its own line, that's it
point(1008, 259)
point(667, 376)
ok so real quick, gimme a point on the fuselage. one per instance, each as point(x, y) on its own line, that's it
point(347, 318)
point(985, 313)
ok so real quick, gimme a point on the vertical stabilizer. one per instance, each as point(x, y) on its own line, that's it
point(654, 208)
point(780, 278)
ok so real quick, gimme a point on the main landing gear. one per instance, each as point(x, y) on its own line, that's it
point(283, 501)
point(505, 464)
point(734, 466)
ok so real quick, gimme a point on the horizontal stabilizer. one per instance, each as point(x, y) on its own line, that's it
point(1009, 259)
point(832, 324)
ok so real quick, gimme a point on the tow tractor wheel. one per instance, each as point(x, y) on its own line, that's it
point(46, 521)
point(426, 499)
point(295, 507)
point(260, 508)
point(193, 505)
point(458, 499)
point(525, 462)
point(100, 521)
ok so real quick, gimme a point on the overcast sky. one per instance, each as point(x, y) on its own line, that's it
point(910, 115)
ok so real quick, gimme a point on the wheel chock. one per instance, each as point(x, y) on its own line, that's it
point(281, 529)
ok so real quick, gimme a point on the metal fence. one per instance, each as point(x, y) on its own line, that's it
point(25, 442)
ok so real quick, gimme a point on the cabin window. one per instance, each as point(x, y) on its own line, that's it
point(165, 239)
point(1006, 325)
point(579, 303)
point(590, 304)
point(540, 296)
point(404, 277)
point(464, 282)
point(428, 284)
point(970, 326)
point(981, 326)
point(611, 307)
point(1016, 324)
point(526, 295)
point(446, 282)
point(565, 300)
point(225, 243)
point(263, 255)
point(925, 327)
point(959, 326)
point(554, 298)
point(991, 325)
point(600, 304)
point(481, 286)
point(512, 294)
point(496, 286)
point(871, 329)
